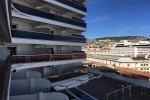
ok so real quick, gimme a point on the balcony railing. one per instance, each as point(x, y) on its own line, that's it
point(74, 4)
point(47, 15)
point(44, 36)
point(46, 57)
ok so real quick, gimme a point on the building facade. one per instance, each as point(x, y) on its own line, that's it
point(43, 36)
point(122, 62)
point(49, 27)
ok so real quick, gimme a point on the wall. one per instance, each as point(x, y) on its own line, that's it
point(58, 69)
point(29, 86)
point(136, 65)
point(4, 53)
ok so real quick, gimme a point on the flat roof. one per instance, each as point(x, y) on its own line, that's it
point(116, 58)
point(99, 88)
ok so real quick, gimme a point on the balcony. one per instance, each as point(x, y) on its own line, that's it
point(53, 57)
point(43, 14)
point(44, 36)
point(74, 4)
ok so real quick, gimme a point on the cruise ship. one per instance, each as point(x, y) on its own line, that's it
point(39, 40)
point(131, 49)
point(41, 56)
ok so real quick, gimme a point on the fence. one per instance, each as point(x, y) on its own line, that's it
point(129, 91)
point(52, 57)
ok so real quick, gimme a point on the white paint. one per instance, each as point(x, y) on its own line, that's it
point(25, 49)
point(44, 63)
point(23, 25)
point(47, 21)
point(70, 83)
point(66, 7)
point(8, 18)
point(46, 42)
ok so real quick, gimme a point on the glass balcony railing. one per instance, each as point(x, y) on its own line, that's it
point(46, 57)
point(74, 4)
point(47, 15)
point(44, 36)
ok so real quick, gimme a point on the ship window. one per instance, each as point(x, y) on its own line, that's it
point(46, 30)
point(13, 50)
point(141, 64)
point(52, 32)
point(147, 68)
point(14, 26)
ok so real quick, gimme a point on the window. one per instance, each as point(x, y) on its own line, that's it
point(13, 50)
point(52, 32)
point(147, 68)
point(14, 26)
point(46, 30)
point(128, 65)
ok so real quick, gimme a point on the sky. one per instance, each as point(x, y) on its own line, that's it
point(107, 18)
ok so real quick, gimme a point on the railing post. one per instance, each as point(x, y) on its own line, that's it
point(142, 90)
point(123, 94)
point(115, 96)
point(29, 58)
point(26, 60)
point(130, 91)
point(107, 96)
point(49, 57)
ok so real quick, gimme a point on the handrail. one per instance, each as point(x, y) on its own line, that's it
point(123, 90)
point(74, 4)
point(47, 57)
point(5, 79)
point(79, 81)
point(43, 36)
point(78, 3)
point(48, 33)
point(47, 54)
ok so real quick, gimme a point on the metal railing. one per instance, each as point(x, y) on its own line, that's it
point(74, 4)
point(46, 57)
point(127, 92)
point(78, 93)
point(44, 36)
point(43, 14)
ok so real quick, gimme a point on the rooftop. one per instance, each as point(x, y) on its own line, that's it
point(117, 58)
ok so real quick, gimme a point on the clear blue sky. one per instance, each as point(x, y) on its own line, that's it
point(117, 18)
